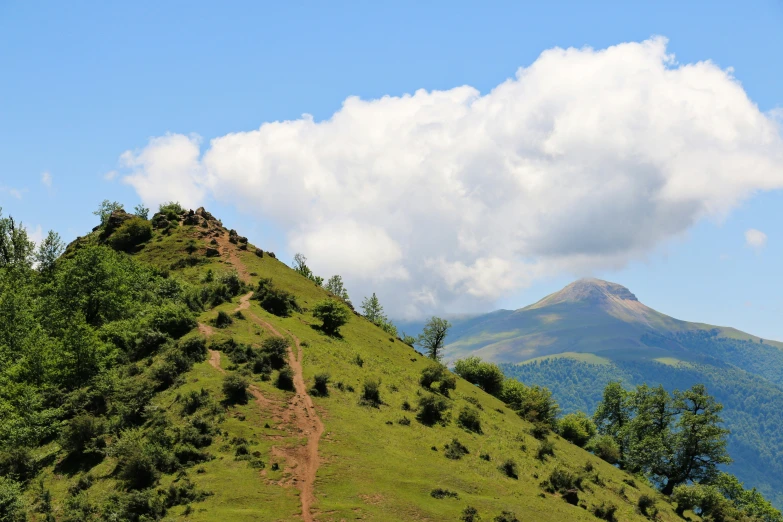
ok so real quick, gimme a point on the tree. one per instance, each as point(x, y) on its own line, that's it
point(649, 433)
point(432, 338)
point(300, 265)
point(16, 249)
point(614, 413)
point(699, 441)
point(332, 314)
point(336, 287)
point(372, 309)
point(48, 251)
point(141, 211)
point(487, 376)
point(576, 428)
point(106, 208)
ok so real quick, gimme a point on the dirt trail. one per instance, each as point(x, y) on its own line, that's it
point(303, 461)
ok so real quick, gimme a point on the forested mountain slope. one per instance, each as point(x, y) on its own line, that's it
point(577, 340)
point(167, 369)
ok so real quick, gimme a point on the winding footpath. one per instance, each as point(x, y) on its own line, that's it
point(300, 413)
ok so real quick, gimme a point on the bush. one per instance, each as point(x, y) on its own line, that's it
point(455, 450)
point(285, 378)
point(12, 507)
point(17, 463)
point(194, 349)
point(604, 447)
point(277, 350)
point(576, 428)
point(371, 393)
point(172, 210)
point(605, 511)
point(223, 320)
point(687, 496)
point(79, 435)
point(441, 493)
point(130, 234)
point(506, 516)
point(174, 320)
point(470, 514)
point(545, 449)
point(274, 300)
point(469, 419)
point(358, 361)
point(534, 404)
point(135, 463)
point(332, 314)
point(321, 385)
point(431, 409)
point(487, 376)
point(645, 504)
point(509, 469)
point(194, 400)
point(235, 389)
point(404, 421)
point(439, 375)
point(561, 480)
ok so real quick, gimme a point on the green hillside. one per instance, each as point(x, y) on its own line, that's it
point(578, 339)
point(143, 378)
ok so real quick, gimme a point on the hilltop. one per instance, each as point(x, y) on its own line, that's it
point(197, 403)
point(576, 340)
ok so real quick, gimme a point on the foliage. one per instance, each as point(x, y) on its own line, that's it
point(285, 378)
point(455, 450)
point(432, 339)
point(332, 314)
point(469, 419)
point(172, 210)
point(141, 211)
point(275, 300)
point(130, 234)
point(605, 447)
point(105, 210)
point(320, 387)
point(371, 393)
point(300, 265)
point(235, 389)
point(372, 309)
point(336, 286)
point(486, 376)
point(576, 428)
point(48, 251)
point(534, 404)
point(12, 508)
point(431, 409)
point(16, 248)
point(223, 320)
point(509, 468)
point(439, 375)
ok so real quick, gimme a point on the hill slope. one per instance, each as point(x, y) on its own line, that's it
point(578, 339)
point(169, 439)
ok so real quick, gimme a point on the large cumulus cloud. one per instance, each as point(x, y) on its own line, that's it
point(584, 160)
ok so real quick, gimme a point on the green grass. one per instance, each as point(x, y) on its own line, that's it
point(372, 467)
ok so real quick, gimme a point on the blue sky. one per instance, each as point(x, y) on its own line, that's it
point(84, 82)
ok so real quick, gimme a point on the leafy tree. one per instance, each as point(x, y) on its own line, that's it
point(408, 339)
point(332, 314)
point(614, 413)
point(604, 447)
point(141, 211)
point(576, 428)
point(699, 440)
point(486, 376)
point(106, 208)
point(16, 249)
point(131, 233)
point(48, 251)
point(432, 339)
point(300, 266)
point(749, 501)
point(11, 501)
point(336, 286)
point(534, 404)
point(372, 309)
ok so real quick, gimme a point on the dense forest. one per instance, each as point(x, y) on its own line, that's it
point(755, 441)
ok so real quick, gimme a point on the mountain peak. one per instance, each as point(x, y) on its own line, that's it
point(593, 290)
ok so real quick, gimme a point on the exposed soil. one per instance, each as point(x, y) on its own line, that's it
point(229, 250)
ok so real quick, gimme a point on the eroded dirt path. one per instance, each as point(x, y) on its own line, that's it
point(229, 250)
point(299, 414)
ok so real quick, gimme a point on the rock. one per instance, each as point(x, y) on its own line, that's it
point(232, 239)
point(243, 246)
point(213, 242)
point(259, 252)
point(212, 252)
point(115, 221)
point(203, 213)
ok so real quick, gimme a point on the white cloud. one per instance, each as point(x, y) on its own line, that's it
point(755, 238)
point(111, 175)
point(36, 234)
point(583, 161)
point(46, 179)
point(13, 192)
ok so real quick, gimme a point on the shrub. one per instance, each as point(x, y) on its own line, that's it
point(470, 514)
point(534, 404)
point(135, 463)
point(232, 282)
point(439, 375)
point(277, 350)
point(12, 506)
point(455, 450)
point(545, 449)
point(605, 511)
point(194, 400)
point(485, 456)
point(235, 389)
point(441, 493)
point(223, 320)
point(506, 516)
point(645, 504)
point(174, 320)
point(404, 421)
point(509, 469)
point(285, 378)
point(358, 361)
point(130, 234)
point(431, 409)
point(321, 385)
point(487, 376)
point(469, 419)
point(274, 300)
point(561, 480)
point(687, 496)
point(576, 428)
point(605, 447)
point(371, 393)
point(17, 463)
point(332, 314)
point(194, 349)
point(172, 210)
point(79, 435)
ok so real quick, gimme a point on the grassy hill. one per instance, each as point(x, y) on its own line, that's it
point(159, 428)
point(578, 339)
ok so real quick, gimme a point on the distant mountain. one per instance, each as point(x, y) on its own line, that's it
point(592, 331)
